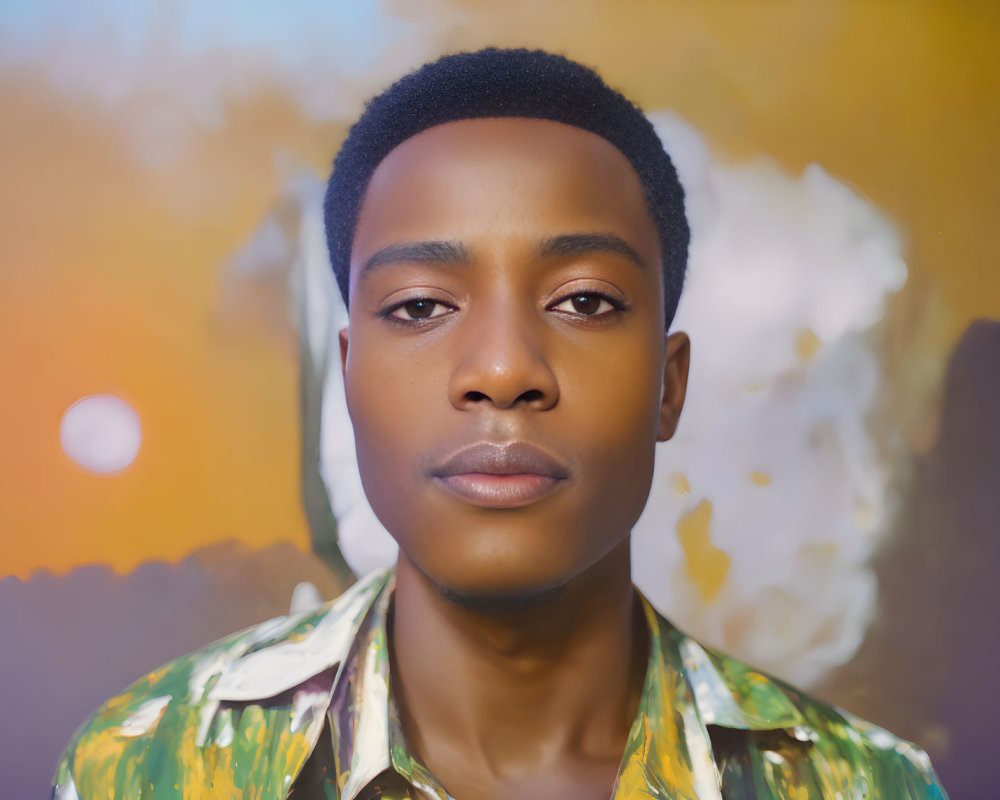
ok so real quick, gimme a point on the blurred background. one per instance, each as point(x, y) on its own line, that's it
point(171, 438)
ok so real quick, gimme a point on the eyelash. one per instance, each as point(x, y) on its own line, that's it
point(390, 313)
point(617, 305)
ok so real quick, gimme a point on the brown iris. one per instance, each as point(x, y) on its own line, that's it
point(586, 303)
point(420, 309)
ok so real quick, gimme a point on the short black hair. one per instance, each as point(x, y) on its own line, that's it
point(505, 83)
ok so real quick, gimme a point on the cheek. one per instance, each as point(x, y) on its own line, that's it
point(619, 389)
point(393, 403)
point(389, 390)
point(377, 400)
point(617, 410)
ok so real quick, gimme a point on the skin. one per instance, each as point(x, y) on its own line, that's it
point(518, 655)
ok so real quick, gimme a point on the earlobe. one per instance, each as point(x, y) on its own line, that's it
point(343, 336)
point(675, 378)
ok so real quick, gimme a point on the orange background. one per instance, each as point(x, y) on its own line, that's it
point(143, 143)
point(109, 279)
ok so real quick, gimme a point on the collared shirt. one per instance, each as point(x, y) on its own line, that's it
point(301, 707)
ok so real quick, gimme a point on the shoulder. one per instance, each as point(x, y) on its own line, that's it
point(822, 745)
point(178, 722)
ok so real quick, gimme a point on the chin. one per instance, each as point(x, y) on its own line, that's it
point(505, 560)
point(483, 579)
point(505, 602)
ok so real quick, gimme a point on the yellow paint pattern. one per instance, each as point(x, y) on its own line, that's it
point(807, 344)
point(663, 754)
point(100, 754)
point(679, 483)
point(865, 516)
point(705, 564)
point(761, 478)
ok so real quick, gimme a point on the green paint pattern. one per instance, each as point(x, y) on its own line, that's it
point(301, 707)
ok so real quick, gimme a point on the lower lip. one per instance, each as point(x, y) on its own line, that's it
point(500, 491)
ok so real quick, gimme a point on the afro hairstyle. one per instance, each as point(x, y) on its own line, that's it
point(505, 83)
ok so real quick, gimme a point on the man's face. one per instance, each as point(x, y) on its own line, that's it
point(506, 362)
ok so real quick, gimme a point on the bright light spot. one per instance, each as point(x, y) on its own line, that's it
point(101, 433)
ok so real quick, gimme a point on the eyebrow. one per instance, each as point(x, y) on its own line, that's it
point(575, 244)
point(416, 253)
point(445, 252)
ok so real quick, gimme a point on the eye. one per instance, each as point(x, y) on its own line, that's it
point(588, 304)
point(420, 308)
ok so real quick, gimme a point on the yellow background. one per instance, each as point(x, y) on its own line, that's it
point(110, 270)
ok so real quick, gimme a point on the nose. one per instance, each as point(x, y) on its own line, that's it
point(503, 362)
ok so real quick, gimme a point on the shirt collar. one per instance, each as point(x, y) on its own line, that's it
point(726, 692)
point(687, 688)
point(364, 715)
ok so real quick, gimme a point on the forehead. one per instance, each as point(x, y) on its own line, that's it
point(487, 176)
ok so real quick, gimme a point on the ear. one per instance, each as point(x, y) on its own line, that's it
point(675, 378)
point(343, 336)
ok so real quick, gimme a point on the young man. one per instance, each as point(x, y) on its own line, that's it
point(510, 238)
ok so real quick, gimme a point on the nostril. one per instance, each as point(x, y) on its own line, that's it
point(529, 397)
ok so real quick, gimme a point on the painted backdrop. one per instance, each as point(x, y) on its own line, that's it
point(172, 448)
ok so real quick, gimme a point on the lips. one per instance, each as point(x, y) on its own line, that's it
point(509, 475)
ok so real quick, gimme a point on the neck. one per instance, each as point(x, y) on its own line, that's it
point(512, 689)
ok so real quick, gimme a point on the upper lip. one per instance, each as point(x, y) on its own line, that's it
point(511, 458)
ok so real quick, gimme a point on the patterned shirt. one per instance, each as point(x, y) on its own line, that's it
point(300, 707)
